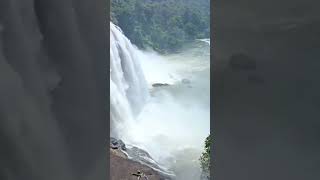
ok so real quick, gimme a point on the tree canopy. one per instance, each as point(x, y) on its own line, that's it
point(163, 25)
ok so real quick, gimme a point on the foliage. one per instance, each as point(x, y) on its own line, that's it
point(162, 24)
point(205, 157)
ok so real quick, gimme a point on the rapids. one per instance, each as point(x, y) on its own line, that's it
point(169, 122)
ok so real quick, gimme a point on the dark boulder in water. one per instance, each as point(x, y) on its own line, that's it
point(117, 144)
point(160, 84)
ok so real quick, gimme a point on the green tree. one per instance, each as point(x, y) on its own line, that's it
point(163, 25)
point(205, 157)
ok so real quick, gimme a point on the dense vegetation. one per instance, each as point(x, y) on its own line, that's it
point(205, 157)
point(163, 25)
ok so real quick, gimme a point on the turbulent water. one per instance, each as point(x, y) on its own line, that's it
point(170, 122)
point(205, 40)
point(128, 89)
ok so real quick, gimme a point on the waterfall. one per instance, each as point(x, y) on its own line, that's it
point(160, 123)
point(207, 40)
point(128, 87)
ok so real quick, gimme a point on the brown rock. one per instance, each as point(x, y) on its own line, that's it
point(122, 168)
point(160, 84)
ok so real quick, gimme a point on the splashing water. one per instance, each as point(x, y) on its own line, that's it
point(169, 122)
point(205, 40)
point(128, 89)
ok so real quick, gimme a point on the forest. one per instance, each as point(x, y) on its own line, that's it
point(162, 25)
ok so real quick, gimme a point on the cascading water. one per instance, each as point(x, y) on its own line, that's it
point(128, 88)
point(205, 40)
point(128, 93)
point(159, 119)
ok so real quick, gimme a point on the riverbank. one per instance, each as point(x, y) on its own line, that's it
point(122, 168)
point(126, 162)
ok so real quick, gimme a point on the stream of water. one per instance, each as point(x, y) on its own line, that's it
point(173, 120)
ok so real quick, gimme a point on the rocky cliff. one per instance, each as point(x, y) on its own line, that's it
point(122, 168)
point(128, 163)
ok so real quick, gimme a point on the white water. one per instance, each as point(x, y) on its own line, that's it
point(128, 89)
point(171, 122)
point(205, 40)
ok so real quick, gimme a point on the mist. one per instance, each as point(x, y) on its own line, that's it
point(175, 121)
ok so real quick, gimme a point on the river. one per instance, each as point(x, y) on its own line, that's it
point(175, 121)
point(171, 120)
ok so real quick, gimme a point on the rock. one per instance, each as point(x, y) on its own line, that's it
point(131, 160)
point(123, 168)
point(119, 153)
point(159, 84)
point(117, 144)
point(240, 61)
point(185, 81)
point(138, 153)
point(143, 157)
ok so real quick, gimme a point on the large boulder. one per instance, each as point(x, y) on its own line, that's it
point(117, 144)
point(125, 161)
point(160, 84)
point(124, 168)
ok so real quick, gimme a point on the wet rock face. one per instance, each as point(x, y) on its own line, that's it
point(132, 159)
point(117, 144)
point(160, 84)
point(123, 168)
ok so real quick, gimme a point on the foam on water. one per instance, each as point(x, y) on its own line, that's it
point(169, 122)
